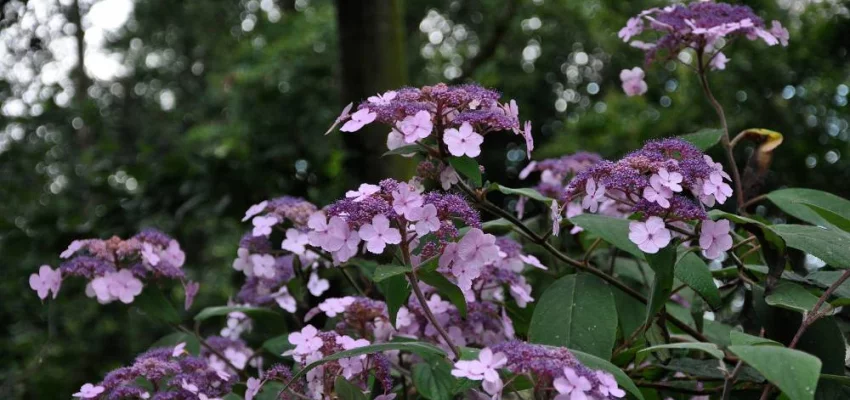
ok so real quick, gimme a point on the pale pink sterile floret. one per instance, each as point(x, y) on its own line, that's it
point(715, 238)
point(358, 120)
point(649, 236)
point(464, 141)
point(47, 280)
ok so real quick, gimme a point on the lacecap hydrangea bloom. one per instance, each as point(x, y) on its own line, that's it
point(275, 246)
point(447, 121)
point(669, 182)
point(163, 373)
point(312, 345)
point(700, 26)
point(556, 371)
point(116, 268)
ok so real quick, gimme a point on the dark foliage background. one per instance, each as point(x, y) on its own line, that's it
point(220, 104)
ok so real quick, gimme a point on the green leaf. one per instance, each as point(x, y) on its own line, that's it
point(836, 217)
point(153, 303)
point(799, 203)
point(708, 369)
point(829, 244)
point(210, 312)
point(623, 380)
point(694, 272)
point(278, 344)
point(233, 396)
point(497, 226)
point(792, 297)
point(844, 380)
point(445, 288)
point(525, 192)
point(434, 380)
point(709, 348)
point(405, 150)
point(703, 138)
point(269, 391)
point(578, 312)
point(345, 390)
point(629, 312)
point(741, 338)
point(396, 291)
point(467, 167)
point(794, 372)
point(367, 267)
point(612, 230)
point(422, 349)
point(826, 279)
point(384, 272)
point(773, 246)
point(662, 263)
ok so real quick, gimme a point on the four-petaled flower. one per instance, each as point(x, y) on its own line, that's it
point(379, 234)
point(478, 247)
point(89, 391)
point(316, 285)
point(263, 225)
point(426, 219)
point(306, 341)
point(405, 200)
point(572, 386)
point(383, 99)
point(255, 209)
point(363, 192)
point(594, 194)
point(608, 385)
point(45, 281)
point(463, 141)
point(657, 193)
point(448, 177)
point(670, 180)
point(263, 265)
point(417, 126)
point(333, 306)
point(714, 238)
point(253, 388)
point(296, 241)
point(358, 120)
point(633, 83)
point(650, 236)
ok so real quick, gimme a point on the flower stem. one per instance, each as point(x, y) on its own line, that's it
point(411, 276)
point(414, 283)
point(724, 140)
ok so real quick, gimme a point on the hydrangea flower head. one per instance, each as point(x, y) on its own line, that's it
point(699, 25)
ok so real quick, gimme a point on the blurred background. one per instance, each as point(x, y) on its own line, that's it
point(122, 114)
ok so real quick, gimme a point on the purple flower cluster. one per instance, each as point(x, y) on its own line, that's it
point(116, 267)
point(267, 269)
point(312, 345)
point(668, 181)
point(556, 172)
point(460, 116)
point(699, 26)
point(556, 367)
point(170, 372)
point(391, 213)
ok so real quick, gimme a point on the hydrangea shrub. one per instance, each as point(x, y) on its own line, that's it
point(663, 284)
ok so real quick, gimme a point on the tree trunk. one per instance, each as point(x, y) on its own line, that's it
point(372, 57)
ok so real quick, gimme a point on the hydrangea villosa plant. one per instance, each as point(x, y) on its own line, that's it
point(440, 293)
